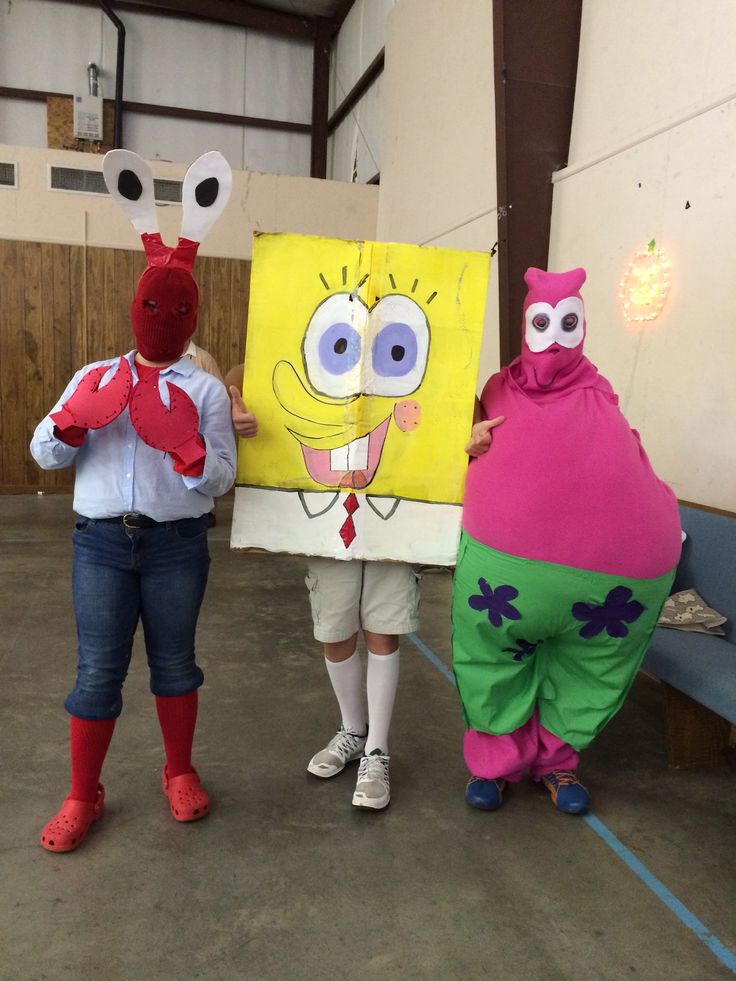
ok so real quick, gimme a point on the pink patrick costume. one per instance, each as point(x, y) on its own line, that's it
point(569, 547)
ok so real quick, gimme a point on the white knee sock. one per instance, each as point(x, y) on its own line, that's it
point(347, 683)
point(383, 678)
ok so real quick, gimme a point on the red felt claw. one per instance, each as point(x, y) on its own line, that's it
point(174, 430)
point(92, 407)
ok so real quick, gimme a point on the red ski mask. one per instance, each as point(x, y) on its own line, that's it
point(164, 307)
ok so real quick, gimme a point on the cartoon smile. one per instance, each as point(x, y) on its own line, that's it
point(341, 439)
point(352, 465)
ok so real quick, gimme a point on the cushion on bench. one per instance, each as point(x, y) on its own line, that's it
point(702, 667)
point(708, 562)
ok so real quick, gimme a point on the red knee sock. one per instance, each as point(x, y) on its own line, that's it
point(88, 744)
point(177, 716)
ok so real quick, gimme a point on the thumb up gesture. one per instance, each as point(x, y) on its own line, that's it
point(481, 436)
point(245, 423)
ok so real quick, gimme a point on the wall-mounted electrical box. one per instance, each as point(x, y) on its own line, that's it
point(88, 117)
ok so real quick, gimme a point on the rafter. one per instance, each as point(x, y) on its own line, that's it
point(222, 11)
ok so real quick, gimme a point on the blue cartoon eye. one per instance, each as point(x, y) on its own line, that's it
point(399, 347)
point(339, 348)
point(333, 346)
point(394, 350)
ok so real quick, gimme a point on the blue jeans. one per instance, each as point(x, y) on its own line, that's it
point(120, 576)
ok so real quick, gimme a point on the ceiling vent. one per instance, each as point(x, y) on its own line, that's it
point(92, 182)
point(8, 175)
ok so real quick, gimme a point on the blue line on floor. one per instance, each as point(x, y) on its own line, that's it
point(724, 954)
point(701, 931)
point(431, 656)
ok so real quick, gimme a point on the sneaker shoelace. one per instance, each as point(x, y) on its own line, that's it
point(344, 742)
point(563, 778)
point(373, 768)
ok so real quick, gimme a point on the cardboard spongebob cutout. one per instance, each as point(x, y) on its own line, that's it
point(361, 364)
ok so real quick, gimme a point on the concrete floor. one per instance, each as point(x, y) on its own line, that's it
point(285, 880)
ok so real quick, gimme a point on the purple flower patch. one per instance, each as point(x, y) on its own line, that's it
point(495, 602)
point(617, 610)
point(523, 648)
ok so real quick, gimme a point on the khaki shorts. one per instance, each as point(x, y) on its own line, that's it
point(347, 596)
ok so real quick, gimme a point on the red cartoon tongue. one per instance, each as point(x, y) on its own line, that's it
point(356, 479)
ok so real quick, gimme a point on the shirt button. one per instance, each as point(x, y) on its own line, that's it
point(127, 475)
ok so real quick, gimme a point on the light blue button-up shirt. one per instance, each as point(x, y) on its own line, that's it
point(117, 472)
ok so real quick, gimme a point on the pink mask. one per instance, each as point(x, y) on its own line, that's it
point(553, 328)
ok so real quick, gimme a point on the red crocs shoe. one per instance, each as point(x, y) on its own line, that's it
point(68, 829)
point(188, 800)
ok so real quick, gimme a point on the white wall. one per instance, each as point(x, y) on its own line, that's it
point(655, 129)
point(259, 202)
point(184, 63)
point(438, 173)
point(357, 140)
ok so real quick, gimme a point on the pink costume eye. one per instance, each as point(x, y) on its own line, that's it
point(541, 321)
point(150, 305)
point(570, 322)
point(183, 309)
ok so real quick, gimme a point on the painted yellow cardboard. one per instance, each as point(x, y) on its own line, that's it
point(361, 365)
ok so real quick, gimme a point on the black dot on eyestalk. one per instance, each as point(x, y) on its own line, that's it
point(129, 185)
point(206, 192)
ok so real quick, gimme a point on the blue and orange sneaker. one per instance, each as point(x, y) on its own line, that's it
point(485, 794)
point(567, 793)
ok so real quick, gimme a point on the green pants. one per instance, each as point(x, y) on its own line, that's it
point(528, 634)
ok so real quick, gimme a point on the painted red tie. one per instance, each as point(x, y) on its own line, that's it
point(347, 531)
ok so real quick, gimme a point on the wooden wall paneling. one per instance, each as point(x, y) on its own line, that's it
point(100, 304)
point(33, 367)
point(77, 306)
point(59, 348)
point(11, 328)
point(111, 276)
point(220, 324)
point(239, 296)
point(223, 303)
point(204, 333)
point(114, 322)
point(127, 267)
point(92, 300)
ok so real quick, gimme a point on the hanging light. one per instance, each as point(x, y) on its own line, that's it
point(646, 283)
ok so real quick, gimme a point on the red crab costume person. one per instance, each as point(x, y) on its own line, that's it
point(568, 551)
point(150, 437)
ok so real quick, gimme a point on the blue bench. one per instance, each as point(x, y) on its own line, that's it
point(698, 671)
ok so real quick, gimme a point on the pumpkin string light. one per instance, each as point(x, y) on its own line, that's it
point(645, 285)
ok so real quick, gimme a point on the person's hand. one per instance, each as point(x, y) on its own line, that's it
point(245, 423)
point(481, 436)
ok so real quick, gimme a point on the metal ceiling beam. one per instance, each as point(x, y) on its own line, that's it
point(357, 91)
point(221, 11)
point(320, 98)
point(340, 14)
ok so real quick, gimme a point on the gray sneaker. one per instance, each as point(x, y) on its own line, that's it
point(344, 747)
point(372, 787)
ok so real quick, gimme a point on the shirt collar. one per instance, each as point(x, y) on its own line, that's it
point(183, 366)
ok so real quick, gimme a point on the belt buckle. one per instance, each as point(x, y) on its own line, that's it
point(129, 520)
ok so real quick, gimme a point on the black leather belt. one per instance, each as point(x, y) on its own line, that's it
point(134, 520)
